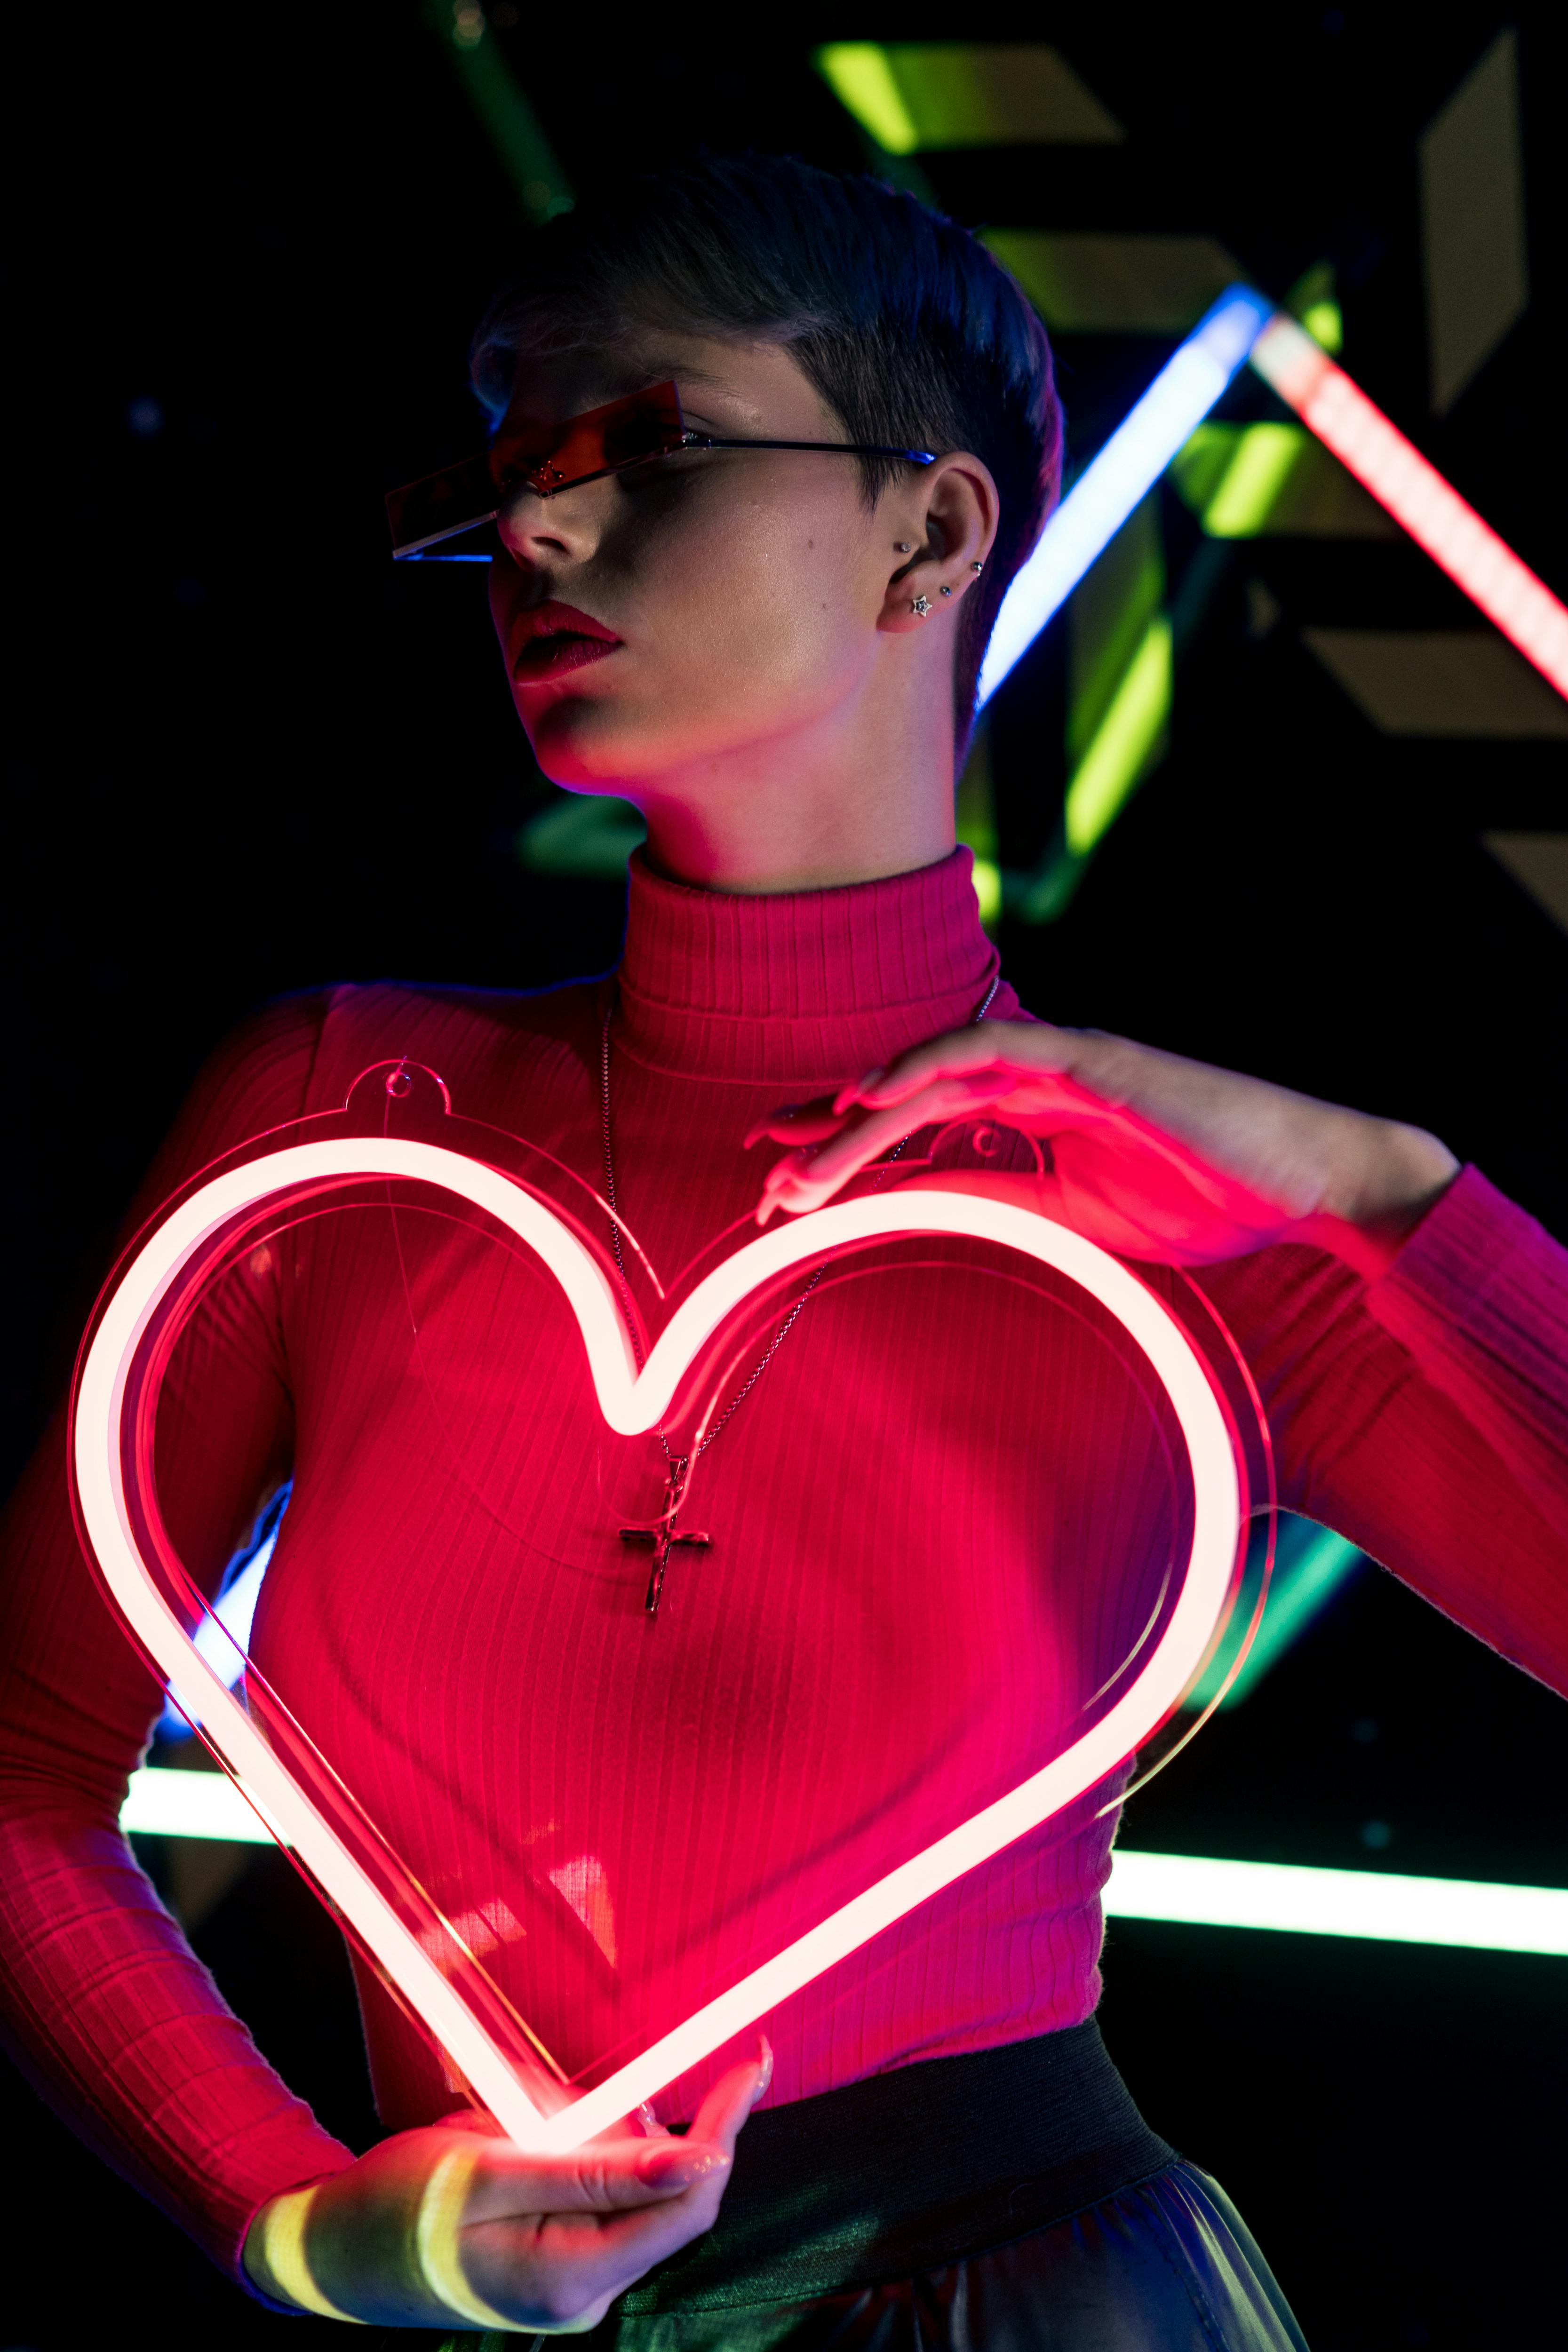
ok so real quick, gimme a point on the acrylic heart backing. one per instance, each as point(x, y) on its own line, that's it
point(431, 1953)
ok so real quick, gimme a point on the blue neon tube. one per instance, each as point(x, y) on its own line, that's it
point(1127, 466)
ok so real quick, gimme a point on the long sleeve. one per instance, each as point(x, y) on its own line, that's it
point(453, 1539)
point(1425, 1414)
point(101, 2000)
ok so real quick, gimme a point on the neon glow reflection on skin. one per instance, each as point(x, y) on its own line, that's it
point(1415, 495)
point(633, 1403)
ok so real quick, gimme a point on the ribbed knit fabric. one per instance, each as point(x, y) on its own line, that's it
point(906, 1514)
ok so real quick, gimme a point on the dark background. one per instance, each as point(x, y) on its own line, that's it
point(244, 754)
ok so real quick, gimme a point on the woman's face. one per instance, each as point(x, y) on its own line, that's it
point(720, 601)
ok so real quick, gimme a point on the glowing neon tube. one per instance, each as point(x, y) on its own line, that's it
point(164, 1803)
point(1415, 495)
point(1182, 1889)
point(632, 1402)
point(1474, 1914)
point(1125, 470)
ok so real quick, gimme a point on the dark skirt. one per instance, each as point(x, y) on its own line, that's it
point(1004, 2199)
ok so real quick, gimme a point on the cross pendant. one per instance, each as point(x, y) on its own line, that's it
point(666, 1534)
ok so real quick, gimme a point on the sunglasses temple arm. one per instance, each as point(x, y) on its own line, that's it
point(834, 448)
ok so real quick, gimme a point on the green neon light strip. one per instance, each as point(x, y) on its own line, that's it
point(1303, 1586)
point(1188, 1890)
point(514, 129)
point(861, 80)
point(1311, 1564)
point(1125, 743)
point(1262, 462)
point(581, 834)
point(1324, 324)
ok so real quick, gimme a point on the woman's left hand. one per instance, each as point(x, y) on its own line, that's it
point(1153, 1156)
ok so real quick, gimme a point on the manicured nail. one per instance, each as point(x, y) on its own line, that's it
point(670, 2164)
point(766, 2063)
point(786, 1171)
point(847, 1097)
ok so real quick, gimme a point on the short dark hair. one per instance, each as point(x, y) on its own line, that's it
point(911, 332)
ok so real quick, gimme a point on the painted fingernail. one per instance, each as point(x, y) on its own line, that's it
point(847, 1097)
point(766, 2060)
point(673, 2165)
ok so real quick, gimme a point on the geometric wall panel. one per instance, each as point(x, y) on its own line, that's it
point(990, 94)
point(1443, 682)
point(1112, 285)
point(1539, 863)
point(1472, 222)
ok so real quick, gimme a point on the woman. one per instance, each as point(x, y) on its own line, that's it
point(772, 649)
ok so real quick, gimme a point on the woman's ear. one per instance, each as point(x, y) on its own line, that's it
point(943, 536)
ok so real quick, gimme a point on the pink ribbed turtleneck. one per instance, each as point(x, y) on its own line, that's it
point(906, 1515)
point(806, 986)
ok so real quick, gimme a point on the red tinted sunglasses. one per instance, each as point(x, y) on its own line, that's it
point(545, 458)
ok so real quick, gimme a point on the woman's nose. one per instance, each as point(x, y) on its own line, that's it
point(533, 529)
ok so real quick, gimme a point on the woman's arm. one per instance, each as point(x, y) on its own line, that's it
point(454, 2222)
point(1424, 1413)
point(1407, 1326)
point(101, 2000)
point(1151, 1155)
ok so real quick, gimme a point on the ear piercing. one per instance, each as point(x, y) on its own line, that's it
point(977, 567)
point(947, 592)
point(903, 546)
point(920, 604)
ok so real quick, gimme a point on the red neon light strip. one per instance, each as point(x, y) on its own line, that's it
point(1415, 495)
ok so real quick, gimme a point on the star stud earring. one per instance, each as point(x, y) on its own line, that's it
point(920, 604)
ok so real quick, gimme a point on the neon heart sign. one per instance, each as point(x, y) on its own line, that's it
point(412, 1945)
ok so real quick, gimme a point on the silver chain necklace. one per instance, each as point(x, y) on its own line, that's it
point(664, 1535)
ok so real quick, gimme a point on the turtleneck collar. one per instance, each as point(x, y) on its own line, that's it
point(803, 985)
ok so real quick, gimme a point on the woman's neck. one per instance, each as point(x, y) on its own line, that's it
point(856, 797)
point(685, 846)
point(794, 988)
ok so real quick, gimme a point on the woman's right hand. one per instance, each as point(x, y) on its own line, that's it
point(454, 2223)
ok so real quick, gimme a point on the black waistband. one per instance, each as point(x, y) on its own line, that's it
point(912, 2169)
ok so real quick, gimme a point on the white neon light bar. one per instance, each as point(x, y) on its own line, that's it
point(1185, 1889)
point(195, 1804)
point(1415, 495)
point(1381, 1906)
point(1126, 469)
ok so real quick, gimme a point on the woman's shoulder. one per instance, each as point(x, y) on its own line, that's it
point(301, 1053)
point(474, 1038)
